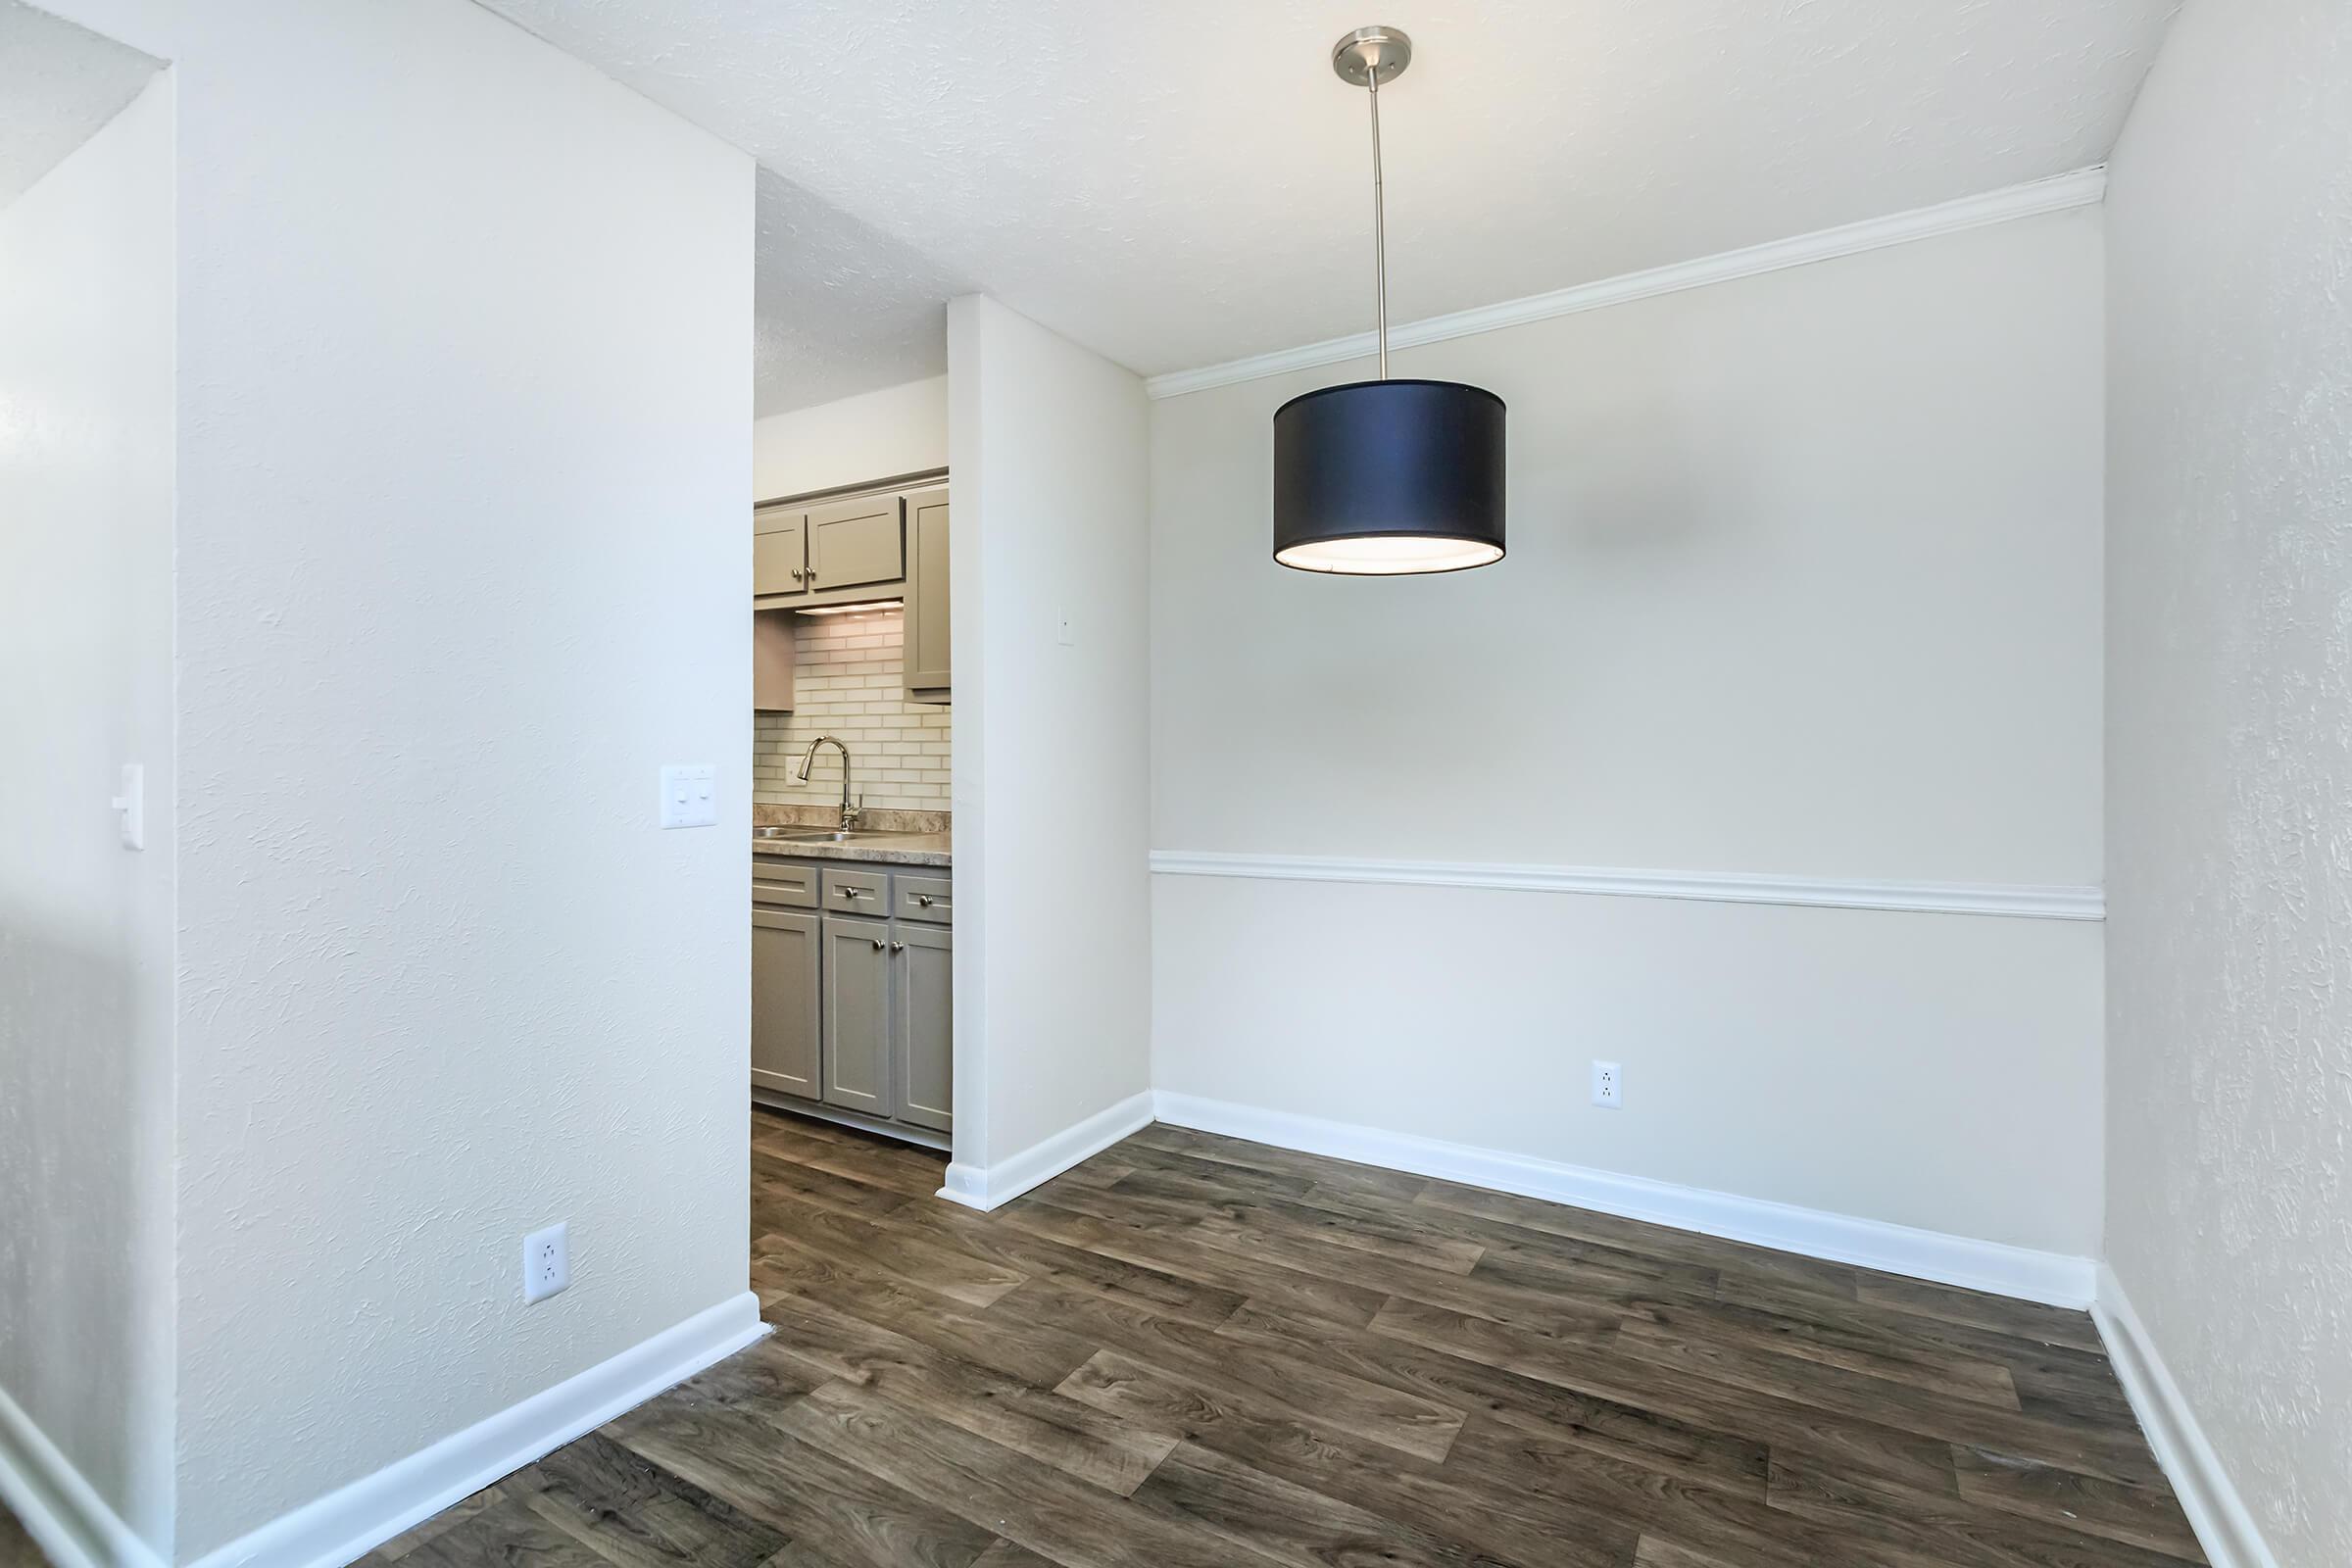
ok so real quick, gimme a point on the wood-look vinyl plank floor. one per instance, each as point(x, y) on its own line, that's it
point(1194, 1350)
point(16, 1547)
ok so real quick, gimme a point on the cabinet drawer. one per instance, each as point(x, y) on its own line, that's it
point(864, 893)
point(924, 898)
point(780, 882)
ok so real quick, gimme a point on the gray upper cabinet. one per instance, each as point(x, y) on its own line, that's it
point(853, 543)
point(772, 656)
point(922, 1025)
point(926, 655)
point(857, 1015)
point(779, 551)
point(784, 1002)
point(808, 555)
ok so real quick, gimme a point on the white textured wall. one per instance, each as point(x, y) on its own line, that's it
point(87, 926)
point(874, 435)
point(464, 428)
point(1804, 580)
point(2230, 745)
point(1053, 976)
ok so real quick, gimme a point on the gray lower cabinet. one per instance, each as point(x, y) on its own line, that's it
point(784, 1002)
point(922, 1024)
point(856, 1021)
point(853, 989)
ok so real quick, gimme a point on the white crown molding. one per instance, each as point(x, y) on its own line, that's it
point(986, 1187)
point(352, 1521)
point(2023, 902)
point(2224, 1526)
point(57, 1506)
point(2084, 188)
point(2016, 1271)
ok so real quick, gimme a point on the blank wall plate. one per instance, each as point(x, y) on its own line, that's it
point(1608, 1085)
point(546, 1262)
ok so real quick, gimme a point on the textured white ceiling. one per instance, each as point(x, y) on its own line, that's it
point(58, 85)
point(1176, 184)
point(843, 307)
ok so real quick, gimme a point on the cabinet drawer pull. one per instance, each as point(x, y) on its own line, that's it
point(898, 947)
point(853, 893)
point(923, 898)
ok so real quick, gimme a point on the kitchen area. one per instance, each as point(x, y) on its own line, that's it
point(853, 890)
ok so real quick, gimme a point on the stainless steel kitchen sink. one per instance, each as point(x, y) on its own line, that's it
point(820, 835)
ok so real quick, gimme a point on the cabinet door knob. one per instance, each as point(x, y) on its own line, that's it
point(877, 941)
point(898, 947)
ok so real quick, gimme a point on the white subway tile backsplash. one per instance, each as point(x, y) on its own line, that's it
point(846, 682)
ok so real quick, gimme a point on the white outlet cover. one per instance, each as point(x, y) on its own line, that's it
point(1608, 1085)
point(690, 795)
point(546, 1262)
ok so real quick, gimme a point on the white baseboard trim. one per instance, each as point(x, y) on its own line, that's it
point(59, 1508)
point(350, 1521)
point(1994, 1266)
point(2018, 900)
point(2224, 1526)
point(2083, 187)
point(988, 1186)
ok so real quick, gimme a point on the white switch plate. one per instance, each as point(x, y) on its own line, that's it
point(131, 802)
point(1608, 1085)
point(546, 1262)
point(689, 795)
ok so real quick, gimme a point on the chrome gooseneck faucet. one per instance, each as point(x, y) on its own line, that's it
point(848, 814)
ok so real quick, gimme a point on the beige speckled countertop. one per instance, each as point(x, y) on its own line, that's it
point(888, 849)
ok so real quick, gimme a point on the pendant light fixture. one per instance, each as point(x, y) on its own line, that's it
point(1386, 478)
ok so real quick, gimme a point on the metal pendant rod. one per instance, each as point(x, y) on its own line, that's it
point(1380, 231)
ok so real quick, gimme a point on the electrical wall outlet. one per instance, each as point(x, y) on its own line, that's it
point(1608, 1085)
point(546, 1262)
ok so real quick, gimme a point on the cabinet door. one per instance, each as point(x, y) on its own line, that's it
point(772, 658)
point(923, 1025)
point(928, 596)
point(857, 992)
point(853, 543)
point(779, 551)
point(784, 1019)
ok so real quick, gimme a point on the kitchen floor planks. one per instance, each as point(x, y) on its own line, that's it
point(16, 1548)
point(1195, 1350)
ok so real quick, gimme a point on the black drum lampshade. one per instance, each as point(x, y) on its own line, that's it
point(1387, 478)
